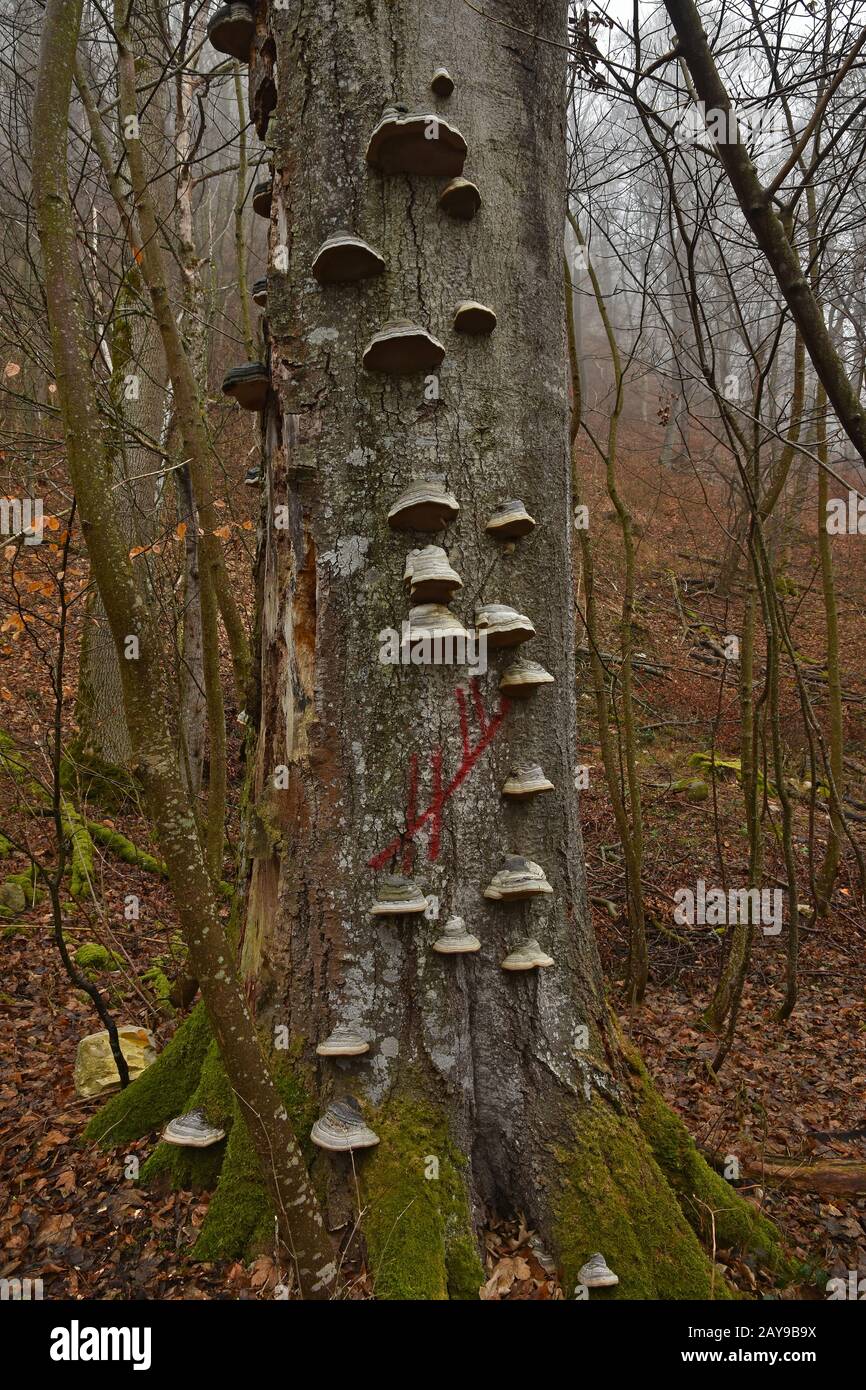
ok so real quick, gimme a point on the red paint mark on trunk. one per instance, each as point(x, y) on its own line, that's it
point(432, 814)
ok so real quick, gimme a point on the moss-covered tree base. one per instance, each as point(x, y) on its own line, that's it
point(417, 1224)
point(631, 1185)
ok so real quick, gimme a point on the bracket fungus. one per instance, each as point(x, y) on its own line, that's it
point(342, 1128)
point(504, 626)
point(527, 956)
point(345, 257)
point(425, 506)
point(231, 29)
point(397, 896)
point(518, 878)
point(435, 622)
point(461, 199)
point(416, 142)
point(260, 293)
point(455, 939)
point(442, 83)
point(192, 1131)
point(262, 198)
point(525, 780)
point(343, 1041)
point(429, 575)
point(402, 347)
point(473, 318)
point(595, 1274)
point(510, 520)
point(522, 677)
point(248, 385)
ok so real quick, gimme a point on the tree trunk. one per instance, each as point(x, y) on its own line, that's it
point(516, 1085)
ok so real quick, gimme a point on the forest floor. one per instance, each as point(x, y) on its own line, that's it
point(795, 1089)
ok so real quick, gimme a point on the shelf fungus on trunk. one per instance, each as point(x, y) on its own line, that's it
point(192, 1131)
point(401, 348)
point(473, 318)
point(518, 878)
point(248, 385)
point(397, 896)
point(342, 1128)
point(429, 576)
point(504, 626)
point(460, 198)
point(343, 1041)
point(455, 939)
point(343, 257)
point(262, 198)
point(510, 520)
point(231, 30)
point(416, 142)
point(525, 780)
point(519, 680)
point(425, 506)
point(442, 83)
point(436, 623)
point(528, 955)
point(260, 292)
point(595, 1274)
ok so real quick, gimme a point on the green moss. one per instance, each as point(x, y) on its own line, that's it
point(240, 1212)
point(160, 1092)
point(122, 848)
point(93, 956)
point(87, 777)
point(240, 1218)
point(197, 1169)
point(16, 929)
point(613, 1197)
point(75, 830)
point(18, 892)
point(160, 984)
point(417, 1225)
point(707, 1200)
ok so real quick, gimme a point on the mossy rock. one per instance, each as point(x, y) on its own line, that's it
point(93, 956)
point(695, 788)
point(12, 897)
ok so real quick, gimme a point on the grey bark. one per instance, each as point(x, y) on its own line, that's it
point(498, 1051)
